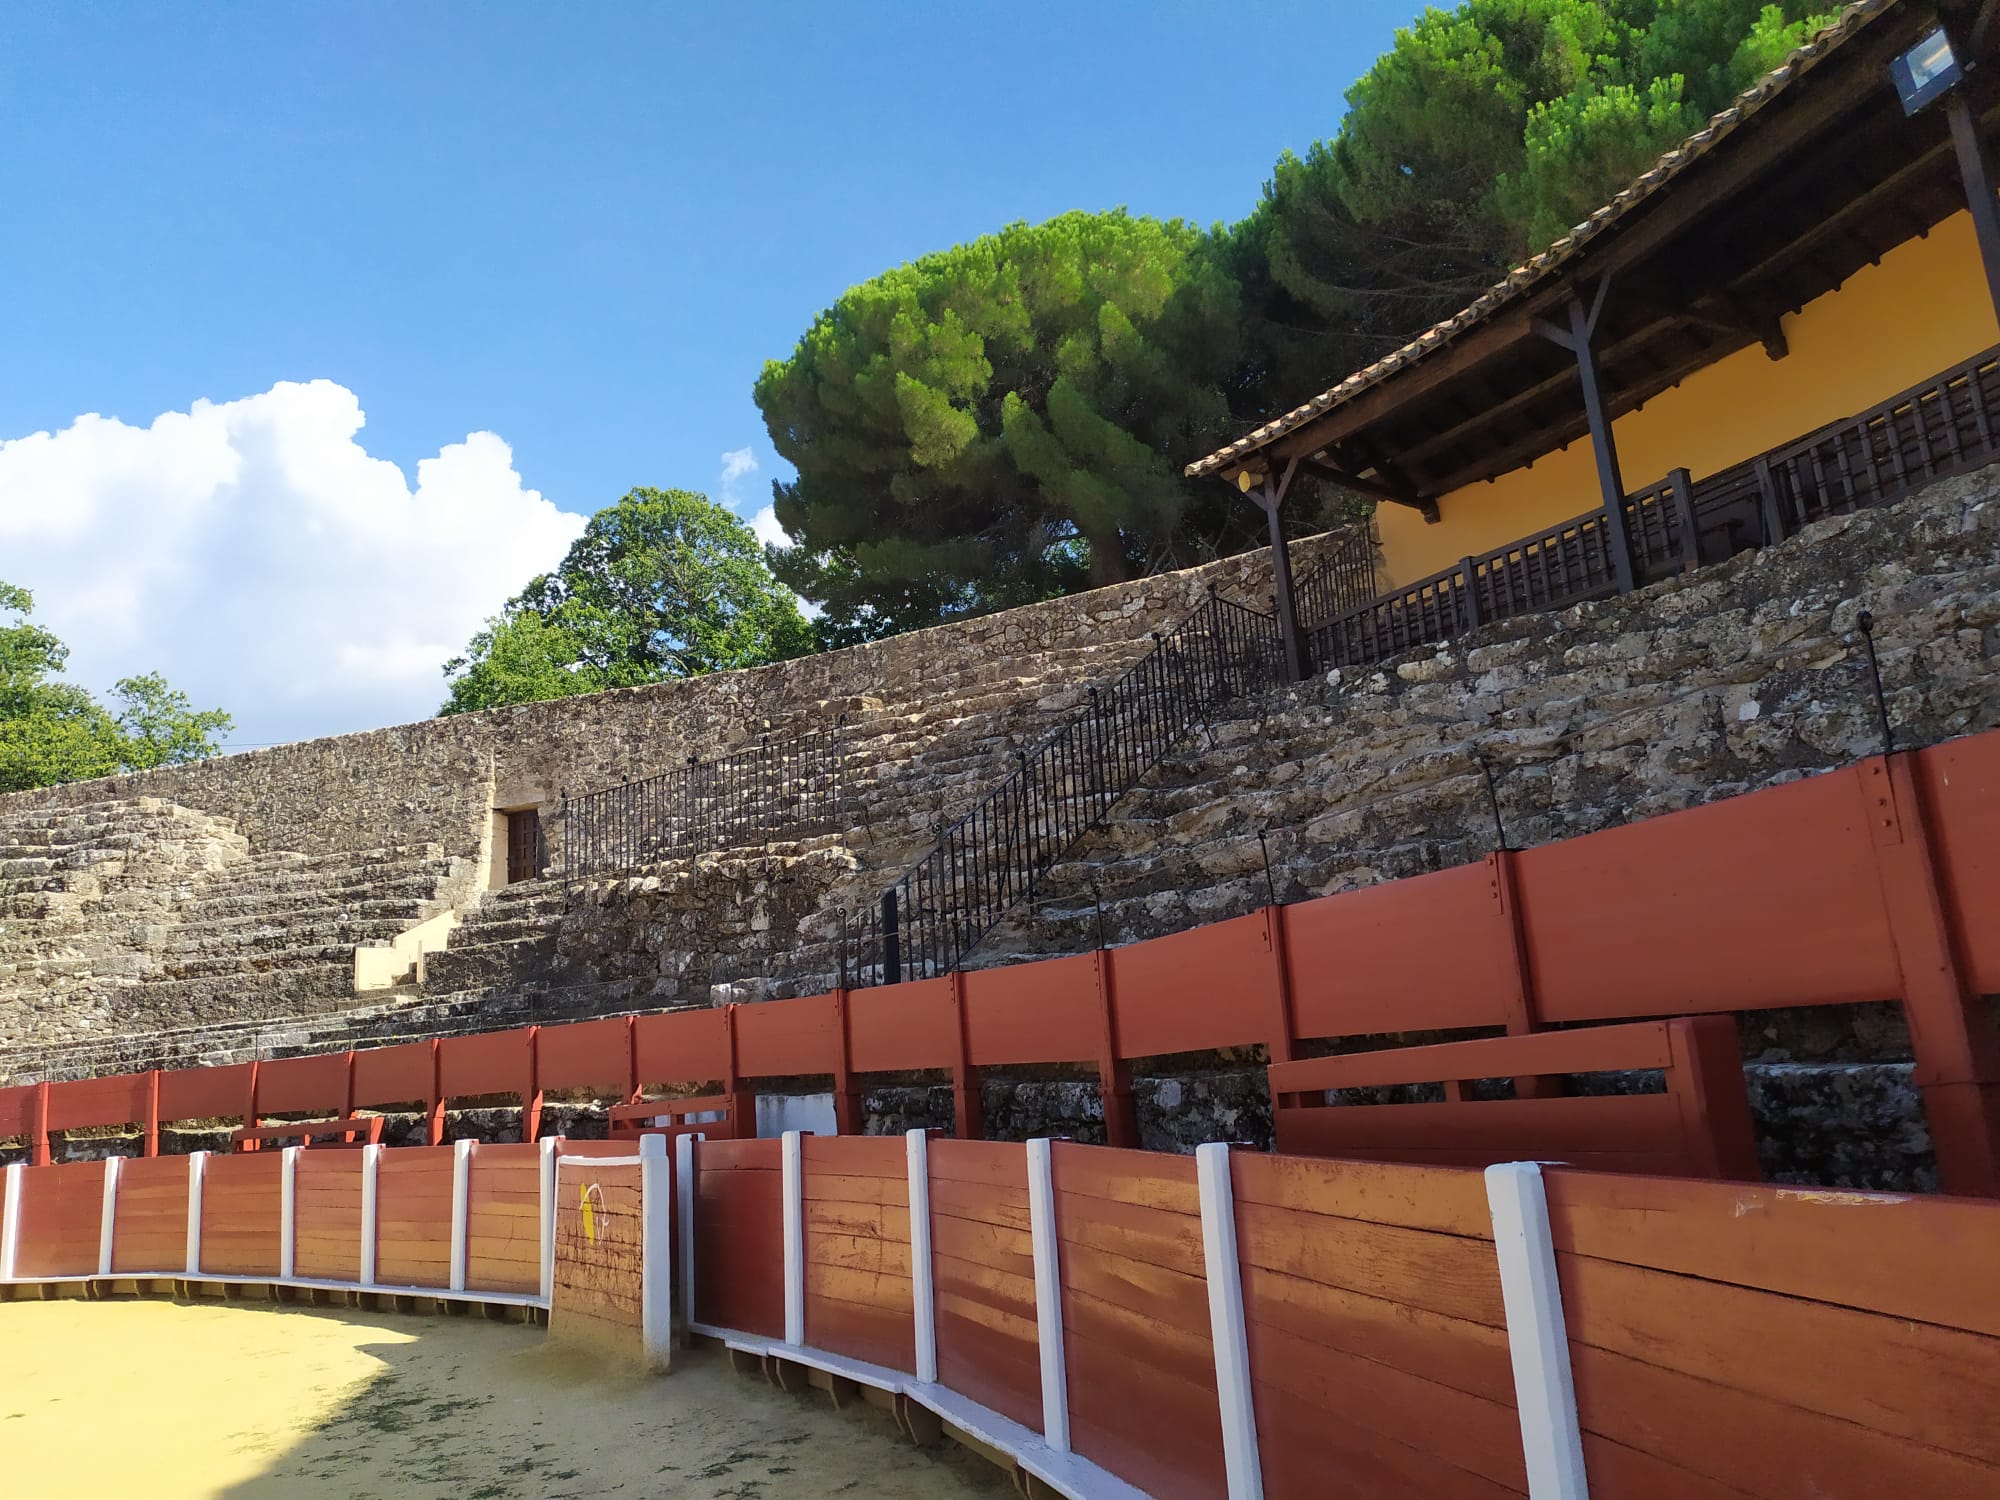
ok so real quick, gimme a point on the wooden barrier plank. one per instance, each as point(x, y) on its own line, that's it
point(787, 1038)
point(1445, 1424)
point(898, 1028)
point(828, 1156)
point(1146, 1422)
point(586, 1055)
point(1930, 1385)
point(486, 1062)
point(681, 1047)
point(1164, 989)
point(1349, 957)
point(1043, 1012)
point(304, 1085)
point(1466, 1356)
point(739, 1227)
point(1926, 1258)
point(1456, 1278)
point(62, 1209)
point(402, 1074)
point(1148, 1179)
point(1306, 1457)
point(999, 1164)
point(241, 1219)
point(1147, 1235)
point(86, 1102)
point(992, 1361)
point(1449, 1200)
point(1793, 916)
point(1764, 1448)
point(205, 1093)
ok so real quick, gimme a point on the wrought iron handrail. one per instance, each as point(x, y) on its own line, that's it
point(785, 788)
point(994, 856)
point(1343, 579)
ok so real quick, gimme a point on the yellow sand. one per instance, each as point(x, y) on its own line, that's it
point(152, 1399)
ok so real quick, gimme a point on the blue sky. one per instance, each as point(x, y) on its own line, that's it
point(581, 228)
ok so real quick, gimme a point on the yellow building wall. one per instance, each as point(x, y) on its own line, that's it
point(1923, 308)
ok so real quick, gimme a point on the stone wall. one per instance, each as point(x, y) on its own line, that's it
point(437, 781)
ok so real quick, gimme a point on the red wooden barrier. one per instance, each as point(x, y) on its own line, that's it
point(682, 1047)
point(305, 1085)
point(152, 1218)
point(983, 1265)
point(327, 1215)
point(586, 1055)
point(856, 1192)
point(413, 1217)
point(62, 1214)
point(739, 1225)
point(1372, 1292)
point(1136, 1339)
point(207, 1093)
point(786, 1038)
point(404, 1074)
point(503, 1219)
point(242, 1215)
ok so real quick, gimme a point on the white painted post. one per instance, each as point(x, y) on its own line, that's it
point(550, 1145)
point(197, 1169)
point(1226, 1326)
point(461, 1210)
point(792, 1158)
point(1048, 1295)
point(107, 1222)
point(923, 1288)
point(684, 1191)
point(10, 1221)
point(656, 1238)
point(288, 1212)
point(1537, 1339)
point(371, 1169)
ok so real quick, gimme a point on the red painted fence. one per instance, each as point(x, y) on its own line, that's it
point(1876, 882)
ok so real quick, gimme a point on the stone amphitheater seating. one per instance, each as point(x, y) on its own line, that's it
point(137, 914)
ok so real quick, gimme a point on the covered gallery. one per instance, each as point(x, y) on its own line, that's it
point(1791, 314)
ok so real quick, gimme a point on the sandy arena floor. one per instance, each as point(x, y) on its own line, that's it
point(163, 1401)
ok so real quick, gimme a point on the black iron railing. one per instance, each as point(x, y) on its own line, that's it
point(771, 790)
point(1342, 580)
point(994, 856)
point(1945, 426)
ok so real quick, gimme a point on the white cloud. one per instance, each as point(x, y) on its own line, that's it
point(769, 532)
point(738, 464)
point(255, 553)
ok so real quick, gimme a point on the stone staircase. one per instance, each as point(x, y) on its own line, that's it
point(137, 913)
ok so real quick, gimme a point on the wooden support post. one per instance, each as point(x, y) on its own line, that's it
point(434, 1115)
point(742, 1101)
point(1610, 483)
point(791, 1160)
point(461, 1211)
point(151, 1123)
point(1048, 1295)
point(656, 1239)
point(685, 1168)
point(197, 1169)
point(10, 1220)
point(1270, 498)
point(38, 1127)
point(1770, 515)
point(531, 1102)
point(1114, 1073)
point(546, 1189)
point(1470, 592)
point(288, 1211)
point(968, 1113)
point(1522, 1015)
point(1228, 1332)
point(371, 1172)
point(107, 1219)
point(1975, 171)
point(1682, 484)
point(1279, 1031)
point(1537, 1337)
point(846, 1097)
point(923, 1286)
point(1956, 1047)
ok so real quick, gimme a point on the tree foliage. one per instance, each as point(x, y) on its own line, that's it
point(665, 583)
point(1004, 421)
point(1008, 419)
point(53, 731)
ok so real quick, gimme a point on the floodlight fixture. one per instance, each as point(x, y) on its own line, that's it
point(1926, 71)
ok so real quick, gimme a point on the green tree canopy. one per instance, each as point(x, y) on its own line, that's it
point(665, 583)
point(1004, 421)
point(53, 731)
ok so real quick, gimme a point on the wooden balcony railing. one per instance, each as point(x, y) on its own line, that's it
point(1945, 426)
